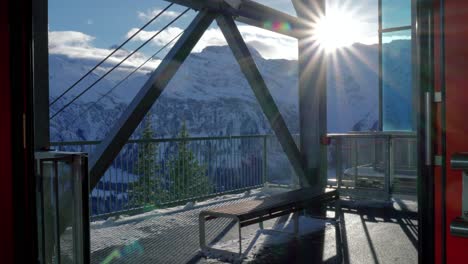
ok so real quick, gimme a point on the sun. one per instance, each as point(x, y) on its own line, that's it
point(338, 29)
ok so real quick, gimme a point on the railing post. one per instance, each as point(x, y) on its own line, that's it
point(392, 163)
point(356, 161)
point(389, 169)
point(264, 171)
point(339, 161)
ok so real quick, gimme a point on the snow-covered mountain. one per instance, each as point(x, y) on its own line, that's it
point(210, 93)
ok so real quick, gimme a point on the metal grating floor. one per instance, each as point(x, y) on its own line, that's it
point(373, 234)
point(165, 238)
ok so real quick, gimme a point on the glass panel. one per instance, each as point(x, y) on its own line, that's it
point(396, 13)
point(61, 210)
point(404, 165)
point(397, 81)
point(353, 76)
point(352, 90)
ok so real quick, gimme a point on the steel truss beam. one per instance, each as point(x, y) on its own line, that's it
point(251, 72)
point(251, 13)
point(106, 151)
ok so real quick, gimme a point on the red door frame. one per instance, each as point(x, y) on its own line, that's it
point(17, 178)
point(451, 60)
point(6, 178)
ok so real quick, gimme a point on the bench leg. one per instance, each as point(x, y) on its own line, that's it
point(296, 224)
point(201, 224)
point(338, 233)
point(240, 240)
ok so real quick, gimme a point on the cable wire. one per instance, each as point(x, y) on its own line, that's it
point(118, 64)
point(126, 77)
point(112, 53)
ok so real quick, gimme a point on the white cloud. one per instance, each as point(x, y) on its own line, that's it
point(270, 45)
point(69, 38)
point(149, 14)
point(78, 45)
point(162, 39)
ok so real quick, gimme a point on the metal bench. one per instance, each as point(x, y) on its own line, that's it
point(256, 211)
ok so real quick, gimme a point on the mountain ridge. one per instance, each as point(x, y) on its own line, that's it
point(210, 93)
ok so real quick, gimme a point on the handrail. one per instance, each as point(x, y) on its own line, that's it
point(158, 140)
point(459, 161)
point(374, 134)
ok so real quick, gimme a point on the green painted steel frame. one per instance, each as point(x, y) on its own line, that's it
point(107, 150)
point(270, 109)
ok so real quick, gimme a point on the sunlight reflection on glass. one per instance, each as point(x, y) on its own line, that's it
point(339, 29)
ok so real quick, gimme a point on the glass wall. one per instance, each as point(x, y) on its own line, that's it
point(396, 65)
point(351, 42)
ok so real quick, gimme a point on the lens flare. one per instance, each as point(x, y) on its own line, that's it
point(277, 26)
point(338, 29)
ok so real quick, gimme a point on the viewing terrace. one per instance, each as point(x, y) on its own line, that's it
point(140, 210)
point(306, 198)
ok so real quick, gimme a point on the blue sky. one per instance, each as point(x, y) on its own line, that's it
point(91, 27)
point(107, 20)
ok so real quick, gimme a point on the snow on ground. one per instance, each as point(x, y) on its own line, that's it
point(161, 226)
point(178, 225)
point(115, 221)
point(172, 233)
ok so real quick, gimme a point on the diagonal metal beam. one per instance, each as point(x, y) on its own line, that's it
point(106, 151)
point(249, 12)
point(251, 72)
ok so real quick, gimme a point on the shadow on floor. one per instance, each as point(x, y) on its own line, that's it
point(368, 234)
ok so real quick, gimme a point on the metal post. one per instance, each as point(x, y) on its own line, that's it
point(380, 56)
point(338, 234)
point(265, 164)
point(201, 226)
point(388, 167)
point(296, 224)
point(391, 161)
point(40, 71)
point(355, 160)
point(312, 93)
point(58, 250)
point(240, 238)
point(339, 161)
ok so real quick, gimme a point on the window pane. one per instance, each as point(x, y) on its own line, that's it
point(396, 13)
point(353, 76)
point(397, 81)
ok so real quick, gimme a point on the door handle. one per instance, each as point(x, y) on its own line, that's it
point(459, 226)
point(428, 108)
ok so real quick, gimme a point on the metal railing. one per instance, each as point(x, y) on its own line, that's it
point(374, 164)
point(151, 173)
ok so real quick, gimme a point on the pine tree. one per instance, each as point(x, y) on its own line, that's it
point(147, 190)
point(188, 177)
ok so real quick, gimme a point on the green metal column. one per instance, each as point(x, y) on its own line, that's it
point(40, 58)
point(312, 92)
point(110, 147)
point(261, 92)
point(265, 157)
